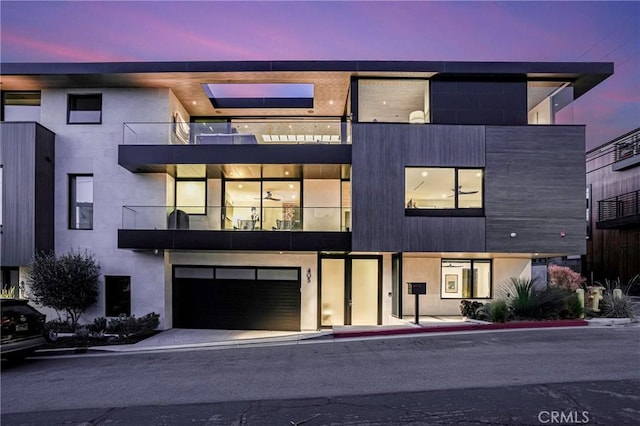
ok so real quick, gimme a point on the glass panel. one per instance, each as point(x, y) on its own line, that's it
point(85, 108)
point(470, 188)
point(550, 102)
point(21, 106)
point(81, 198)
point(204, 273)
point(346, 205)
point(364, 291)
point(117, 295)
point(482, 279)
point(332, 292)
point(281, 205)
point(278, 274)
point(454, 279)
point(242, 205)
point(322, 205)
point(429, 188)
point(393, 101)
point(191, 196)
point(236, 273)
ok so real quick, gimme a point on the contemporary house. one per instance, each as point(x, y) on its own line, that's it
point(613, 191)
point(294, 195)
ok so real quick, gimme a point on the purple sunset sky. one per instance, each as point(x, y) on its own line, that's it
point(106, 31)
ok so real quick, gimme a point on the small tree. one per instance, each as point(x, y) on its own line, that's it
point(67, 283)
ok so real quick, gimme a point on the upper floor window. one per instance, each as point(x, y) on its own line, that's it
point(80, 201)
point(393, 101)
point(21, 106)
point(550, 102)
point(440, 190)
point(84, 109)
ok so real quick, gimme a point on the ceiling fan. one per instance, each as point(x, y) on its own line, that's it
point(269, 196)
point(461, 192)
point(451, 265)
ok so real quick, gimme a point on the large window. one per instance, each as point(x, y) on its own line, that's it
point(465, 279)
point(84, 109)
point(438, 188)
point(80, 201)
point(117, 295)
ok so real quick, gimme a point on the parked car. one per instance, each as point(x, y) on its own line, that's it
point(22, 328)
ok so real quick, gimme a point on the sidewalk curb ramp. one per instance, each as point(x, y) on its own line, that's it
point(462, 327)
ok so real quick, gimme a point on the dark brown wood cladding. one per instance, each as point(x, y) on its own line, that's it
point(380, 154)
point(611, 253)
point(535, 188)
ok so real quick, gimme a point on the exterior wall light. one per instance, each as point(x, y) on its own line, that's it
point(513, 235)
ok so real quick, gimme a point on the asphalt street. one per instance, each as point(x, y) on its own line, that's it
point(581, 375)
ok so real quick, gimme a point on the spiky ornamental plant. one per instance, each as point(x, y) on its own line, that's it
point(67, 283)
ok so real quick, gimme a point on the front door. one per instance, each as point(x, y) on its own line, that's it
point(350, 290)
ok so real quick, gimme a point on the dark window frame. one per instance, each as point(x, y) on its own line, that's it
point(448, 212)
point(471, 261)
point(72, 99)
point(72, 203)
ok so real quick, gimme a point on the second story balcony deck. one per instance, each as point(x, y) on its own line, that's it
point(235, 228)
point(619, 211)
point(627, 152)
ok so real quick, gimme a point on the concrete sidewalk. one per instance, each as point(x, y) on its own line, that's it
point(177, 338)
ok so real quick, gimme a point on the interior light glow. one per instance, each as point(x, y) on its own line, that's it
point(424, 174)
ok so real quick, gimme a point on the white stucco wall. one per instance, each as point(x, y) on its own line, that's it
point(93, 149)
point(425, 269)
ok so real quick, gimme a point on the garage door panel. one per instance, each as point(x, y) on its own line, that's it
point(237, 304)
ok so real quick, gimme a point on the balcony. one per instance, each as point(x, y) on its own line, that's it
point(158, 147)
point(238, 132)
point(619, 211)
point(235, 228)
point(627, 152)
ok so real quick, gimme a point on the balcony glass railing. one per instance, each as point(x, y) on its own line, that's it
point(238, 132)
point(243, 218)
point(620, 206)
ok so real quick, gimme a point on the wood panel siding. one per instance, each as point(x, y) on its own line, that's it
point(17, 156)
point(535, 187)
point(380, 154)
point(27, 156)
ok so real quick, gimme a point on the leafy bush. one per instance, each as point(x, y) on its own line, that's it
point(67, 283)
point(125, 326)
point(469, 308)
point(497, 311)
point(527, 302)
point(98, 327)
point(565, 277)
point(574, 308)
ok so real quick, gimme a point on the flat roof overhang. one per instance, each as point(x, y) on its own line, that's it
point(331, 78)
point(163, 158)
point(170, 239)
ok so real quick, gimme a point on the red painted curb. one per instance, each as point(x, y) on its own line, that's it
point(465, 327)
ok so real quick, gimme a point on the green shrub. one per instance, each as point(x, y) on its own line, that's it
point(528, 302)
point(574, 308)
point(98, 326)
point(497, 311)
point(125, 326)
point(616, 307)
point(469, 308)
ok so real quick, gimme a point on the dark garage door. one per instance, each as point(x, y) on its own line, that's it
point(236, 298)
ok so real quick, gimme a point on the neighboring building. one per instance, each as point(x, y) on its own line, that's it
point(296, 194)
point(613, 191)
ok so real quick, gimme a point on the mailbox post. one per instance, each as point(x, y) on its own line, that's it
point(417, 289)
